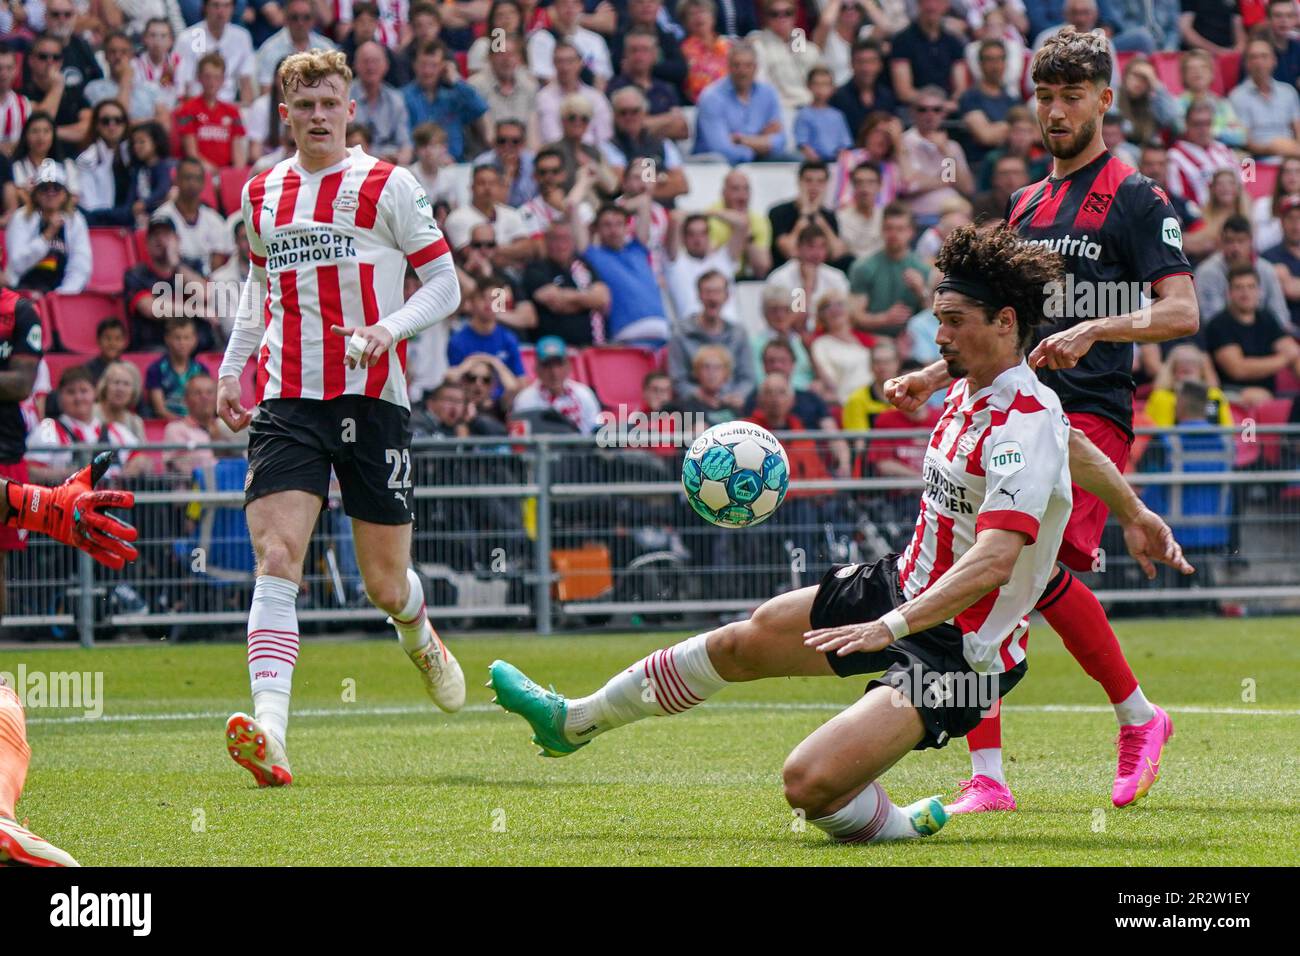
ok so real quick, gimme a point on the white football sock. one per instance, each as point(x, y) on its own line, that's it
point(987, 762)
point(1134, 709)
point(410, 621)
point(669, 681)
point(870, 817)
point(273, 651)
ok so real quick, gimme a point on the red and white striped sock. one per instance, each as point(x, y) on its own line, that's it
point(273, 650)
point(669, 681)
point(411, 621)
point(870, 817)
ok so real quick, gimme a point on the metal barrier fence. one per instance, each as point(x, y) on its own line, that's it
point(558, 531)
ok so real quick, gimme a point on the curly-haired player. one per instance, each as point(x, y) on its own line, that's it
point(1123, 248)
point(946, 619)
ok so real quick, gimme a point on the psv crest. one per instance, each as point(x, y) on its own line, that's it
point(345, 202)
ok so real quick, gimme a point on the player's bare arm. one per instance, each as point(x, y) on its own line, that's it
point(985, 567)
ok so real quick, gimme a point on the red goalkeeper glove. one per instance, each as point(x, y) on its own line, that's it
point(72, 513)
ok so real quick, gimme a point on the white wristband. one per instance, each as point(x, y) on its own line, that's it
point(896, 623)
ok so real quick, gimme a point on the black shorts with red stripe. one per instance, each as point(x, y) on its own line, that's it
point(294, 442)
point(927, 667)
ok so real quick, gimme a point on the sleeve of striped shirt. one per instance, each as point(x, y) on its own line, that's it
point(1022, 462)
point(246, 334)
point(410, 216)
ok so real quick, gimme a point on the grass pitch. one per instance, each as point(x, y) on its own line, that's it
point(383, 778)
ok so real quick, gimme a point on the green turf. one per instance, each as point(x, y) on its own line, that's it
point(418, 787)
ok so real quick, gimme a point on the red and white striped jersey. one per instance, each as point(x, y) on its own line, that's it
point(14, 108)
point(1191, 168)
point(68, 431)
point(331, 248)
point(146, 71)
point(998, 458)
point(393, 15)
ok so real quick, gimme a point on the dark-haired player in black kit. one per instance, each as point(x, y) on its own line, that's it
point(1119, 236)
point(20, 353)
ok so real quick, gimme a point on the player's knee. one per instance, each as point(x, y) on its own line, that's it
point(276, 560)
point(806, 787)
point(729, 650)
point(387, 595)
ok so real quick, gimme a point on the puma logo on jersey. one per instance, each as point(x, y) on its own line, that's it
point(1010, 494)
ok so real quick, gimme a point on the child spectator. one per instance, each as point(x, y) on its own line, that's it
point(483, 333)
point(212, 131)
point(149, 171)
point(167, 377)
point(820, 131)
point(110, 336)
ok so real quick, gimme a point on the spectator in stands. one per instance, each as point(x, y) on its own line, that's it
point(117, 396)
point(360, 137)
point(1266, 211)
point(1248, 344)
point(152, 290)
point(38, 144)
point(783, 61)
point(47, 241)
point(490, 390)
point(569, 109)
point(216, 34)
point(777, 358)
point(483, 334)
point(79, 63)
point(554, 389)
point(1024, 140)
point(807, 275)
point(505, 84)
point(1009, 174)
point(867, 91)
point(756, 259)
point(430, 167)
point(438, 95)
point(591, 48)
point(956, 212)
point(774, 410)
point(142, 101)
point(879, 141)
point(476, 259)
point(158, 64)
point(997, 25)
point(894, 280)
point(1269, 109)
point(1084, 16)
point(649, 19)
point(820, 132)
point(1186, 363)
point(866, 403)
point(210, 130)
point(426, 23)
point(443, 414)
point(205, 242)
point(1147, 107)
point(661, 103)
point(505, 21)
point(298, 35)
point(195, 429)
point(926, 54)
point(739, 117)
point(779, 325)
point(633, 140)
point(380, 107)
point(937, 160)
point(13, 105)
point(1235, 251)
point(1144, 27)
point(110, 337)
point(808, 208)
point(365, 28)
point(709, 326)
point(551, 202)
point(1199, 70)
point(50, 94)
point(514, 245)
point(842, 362)
point(860, 221)
point(227, 281)
point(839, 27)
point(515, 162)
point(711, 372)
point(167, 377)
point(1113, 126)
point(690, 256)
point(704, 50)
point(985, 105)
point(150, 171)
point(77, 424)
point(1285, 257)
point(571, 301)
point(102, 171)
point(1280, 30)
point(900, 457)
point(636, 310)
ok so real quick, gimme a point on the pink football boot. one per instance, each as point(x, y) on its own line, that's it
point(1139, 757)
point(981, 794)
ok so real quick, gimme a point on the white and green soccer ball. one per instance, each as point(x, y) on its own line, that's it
point(736, 474)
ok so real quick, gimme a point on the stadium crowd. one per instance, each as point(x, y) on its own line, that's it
point(728, 208)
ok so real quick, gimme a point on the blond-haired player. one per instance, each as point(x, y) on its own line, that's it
point(331, 233)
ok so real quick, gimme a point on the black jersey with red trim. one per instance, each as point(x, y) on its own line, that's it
point(20, 334)
point(1118, 233)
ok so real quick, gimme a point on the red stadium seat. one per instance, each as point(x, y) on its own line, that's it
point(112, 254)
point(578, 366)
point(141, 360)
point(528, 355)
point(209, 195)
point(1276, 411)
point(210, 361)
point(1168, 69)
point(1288, 383)
point(616, 373)
point(74, 317)
point(1264, 181)
point(153, 430)
point(141, 253)
point(1229, 73)
point(232, 187)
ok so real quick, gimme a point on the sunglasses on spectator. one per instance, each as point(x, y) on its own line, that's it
point(628, 111)
point(510, 140)
point(928, 109)
point(576, 117)
point(112, 120)
point(59, 14)
point(47, 56)
point(483, 244)
point(782, 14)
point(550, 170)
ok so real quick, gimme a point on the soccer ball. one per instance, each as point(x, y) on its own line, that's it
point(735, 474)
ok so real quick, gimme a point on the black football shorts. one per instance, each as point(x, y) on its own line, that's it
point(927, 667)
point(293, 443)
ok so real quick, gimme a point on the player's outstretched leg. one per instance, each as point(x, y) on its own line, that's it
point(831, 777)
point(671, 680)
point(444, 681)
point(19, 846)
point(1074, 612)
